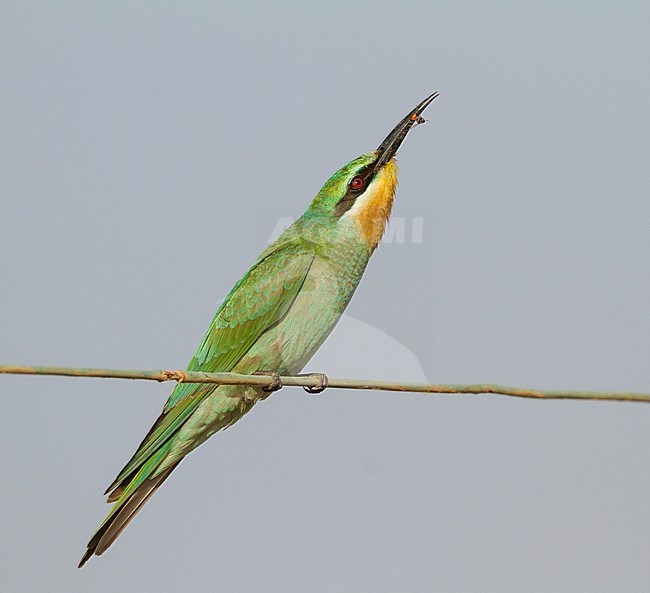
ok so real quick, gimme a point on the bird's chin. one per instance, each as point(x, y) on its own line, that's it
point(372, 210)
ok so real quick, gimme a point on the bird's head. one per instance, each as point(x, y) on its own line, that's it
point(361, 193)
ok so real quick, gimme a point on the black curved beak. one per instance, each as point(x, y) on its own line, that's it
point(389, 146)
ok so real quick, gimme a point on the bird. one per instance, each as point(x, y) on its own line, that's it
point(272, 322)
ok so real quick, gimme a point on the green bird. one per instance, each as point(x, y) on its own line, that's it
point(272, 321)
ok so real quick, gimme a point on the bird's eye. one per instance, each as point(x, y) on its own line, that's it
point(357, 183)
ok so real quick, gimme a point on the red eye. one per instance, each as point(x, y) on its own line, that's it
point(357, 183)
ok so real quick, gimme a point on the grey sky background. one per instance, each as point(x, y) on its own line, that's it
point(148, 151)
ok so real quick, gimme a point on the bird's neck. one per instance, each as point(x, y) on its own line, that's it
point(372, 210)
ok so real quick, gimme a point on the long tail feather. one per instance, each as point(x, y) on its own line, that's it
point(132, 499)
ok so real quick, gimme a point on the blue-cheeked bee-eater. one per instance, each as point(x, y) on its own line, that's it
point(272, 321)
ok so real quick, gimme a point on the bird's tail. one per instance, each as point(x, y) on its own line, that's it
point(132, 498)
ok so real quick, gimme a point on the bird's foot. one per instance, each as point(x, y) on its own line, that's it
point(274, 385)
point(323, 383)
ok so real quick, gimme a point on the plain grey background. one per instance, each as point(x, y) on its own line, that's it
point(149, 150)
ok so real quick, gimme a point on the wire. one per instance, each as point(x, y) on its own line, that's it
point(318, 381)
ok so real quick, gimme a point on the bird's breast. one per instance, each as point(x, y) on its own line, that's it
point(326, 292)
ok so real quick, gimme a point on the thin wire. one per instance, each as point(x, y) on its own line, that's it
point(316, 382)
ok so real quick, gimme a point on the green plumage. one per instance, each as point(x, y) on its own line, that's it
point(274, 318)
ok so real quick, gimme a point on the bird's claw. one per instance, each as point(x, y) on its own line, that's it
point(274, 385)
point(323, 383)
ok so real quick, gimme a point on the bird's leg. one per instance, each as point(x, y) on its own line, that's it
point(323, 383)
point(274, 385)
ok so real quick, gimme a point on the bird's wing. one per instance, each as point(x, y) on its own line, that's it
point(255, 304)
